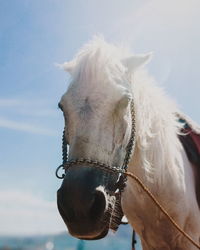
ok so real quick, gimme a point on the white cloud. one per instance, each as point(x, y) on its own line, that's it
point(23, 213)
point(8, 102)
point(36, 107)
point(26, 127)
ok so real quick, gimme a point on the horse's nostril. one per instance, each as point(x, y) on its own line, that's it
point(98, 205)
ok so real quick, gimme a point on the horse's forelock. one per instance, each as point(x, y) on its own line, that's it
point(97, 61)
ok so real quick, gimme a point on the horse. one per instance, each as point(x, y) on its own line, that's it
point(117, 119)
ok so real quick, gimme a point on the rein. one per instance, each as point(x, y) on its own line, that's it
point(66, 164)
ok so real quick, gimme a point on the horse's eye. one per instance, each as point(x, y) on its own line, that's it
point(60, 106)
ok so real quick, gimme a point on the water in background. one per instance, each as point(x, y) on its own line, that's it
point(120, 240)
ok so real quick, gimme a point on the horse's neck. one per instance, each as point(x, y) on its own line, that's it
point(158, 153)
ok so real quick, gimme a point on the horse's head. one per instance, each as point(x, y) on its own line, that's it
point(97, 114)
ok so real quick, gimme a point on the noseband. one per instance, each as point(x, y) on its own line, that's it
point(66, 164)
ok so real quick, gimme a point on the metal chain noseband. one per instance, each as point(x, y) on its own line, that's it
point(113, 169)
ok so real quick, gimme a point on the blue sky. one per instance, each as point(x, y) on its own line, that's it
point(36, 34)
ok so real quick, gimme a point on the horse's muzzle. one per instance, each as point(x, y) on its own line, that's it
point(82, 205)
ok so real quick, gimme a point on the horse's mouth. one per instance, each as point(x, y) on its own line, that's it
point(111, 220)
point(84, 232)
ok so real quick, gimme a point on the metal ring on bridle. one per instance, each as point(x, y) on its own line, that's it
point(57, 170)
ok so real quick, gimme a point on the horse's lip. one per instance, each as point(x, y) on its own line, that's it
point(91, 234)
point(100, 236)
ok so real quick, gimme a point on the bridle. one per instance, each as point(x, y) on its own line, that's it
point(66, 163)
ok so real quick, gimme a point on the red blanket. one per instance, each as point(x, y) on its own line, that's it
point(196, 140)
point(191, 143)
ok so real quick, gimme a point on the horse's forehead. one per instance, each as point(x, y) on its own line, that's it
point(92, 94)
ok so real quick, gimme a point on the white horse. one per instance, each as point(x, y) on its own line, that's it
point(98, 126)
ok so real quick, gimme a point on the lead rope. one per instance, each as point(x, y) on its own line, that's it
point(157, 203)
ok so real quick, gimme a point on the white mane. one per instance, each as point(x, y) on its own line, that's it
point(97, 60)
point(157, 128)
point(156, 122)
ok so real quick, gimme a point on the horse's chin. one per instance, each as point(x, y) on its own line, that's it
point(95, 236)
point(110, 223)
point(92, 235)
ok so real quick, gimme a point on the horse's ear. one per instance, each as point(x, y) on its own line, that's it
point(132, 63)
point(67, 66)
